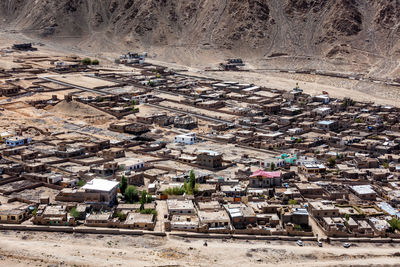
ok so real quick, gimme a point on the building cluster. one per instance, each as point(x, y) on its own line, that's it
point(204, 156)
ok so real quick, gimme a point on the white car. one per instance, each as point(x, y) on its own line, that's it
point(300, 243)
point(319, 244)
point(346, 245)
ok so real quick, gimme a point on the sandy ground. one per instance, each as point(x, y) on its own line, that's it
point(48, 249)
point(81, 80)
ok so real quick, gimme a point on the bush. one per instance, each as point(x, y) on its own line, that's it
point(148, 211)
point(34, 212)
point(86, 61)
point(95, 62)
point(81, 183)
point(120, 215)
point(394, 224)
point(175, 191)
point(74, 213)
point(293, 202)
point(298, 227)
point(131, 194)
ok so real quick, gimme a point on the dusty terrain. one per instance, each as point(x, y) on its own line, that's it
point(346, 35)
point(44, 249)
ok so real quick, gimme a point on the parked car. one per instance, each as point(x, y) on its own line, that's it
point(300, 243)
point(346, 245)
point(319, 244)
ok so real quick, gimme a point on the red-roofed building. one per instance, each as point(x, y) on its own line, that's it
point(265, 179)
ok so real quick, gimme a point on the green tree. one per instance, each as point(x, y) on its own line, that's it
point(192, 179)
point(293, 202)
point(86, 61)
point(123, 184)
point(81, 183)
point(74, 213)
point(95, 62)
point(331, 162)
point(272, 166)
point(131, 194)
point(347, 217)
point(143, 199)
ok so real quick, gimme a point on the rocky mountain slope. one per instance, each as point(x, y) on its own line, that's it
point(348, 30)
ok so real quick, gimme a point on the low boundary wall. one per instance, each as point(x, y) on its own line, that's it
point(82, 230)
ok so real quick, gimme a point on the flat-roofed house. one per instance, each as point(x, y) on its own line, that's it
point(180, 206)
point(100, 191)
point(139, 221)
point(214, 219)
point(265, 179)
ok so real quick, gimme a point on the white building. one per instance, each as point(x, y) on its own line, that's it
point(180, 206)
point(322, 98)
point(100, 191)
point(132, 164)
point(294, 131)
point(322, 111)
point(187, 139)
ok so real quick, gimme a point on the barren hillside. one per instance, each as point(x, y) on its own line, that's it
point(365, 31)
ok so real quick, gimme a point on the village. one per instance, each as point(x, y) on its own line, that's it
point(141, 147)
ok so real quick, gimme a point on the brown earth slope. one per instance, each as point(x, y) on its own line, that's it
point(366, 31)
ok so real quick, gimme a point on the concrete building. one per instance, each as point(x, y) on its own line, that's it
point(321, 209)
point(210, 159)
point(180, 206)
point(132, 164)
point(187, 139)
point(139, 221)
point(364, 192)
point(17, 141)
point(265, 179)
point(214, 219)
point(100, 191)
point(328, 125)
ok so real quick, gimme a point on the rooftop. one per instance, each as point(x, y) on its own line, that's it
point(100, 185)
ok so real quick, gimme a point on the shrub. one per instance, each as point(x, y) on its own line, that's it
point(120, 215)
point(131, 194)
point(81, 183)
point(74, 213)
point(298, 227)
point(95, 62)
point(394, 224)
point(175, 191)
point(86, 61)
point(148, 211)
point(293, 202)
point(34, 212)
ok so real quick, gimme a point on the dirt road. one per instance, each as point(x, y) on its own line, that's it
point(44, 249)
